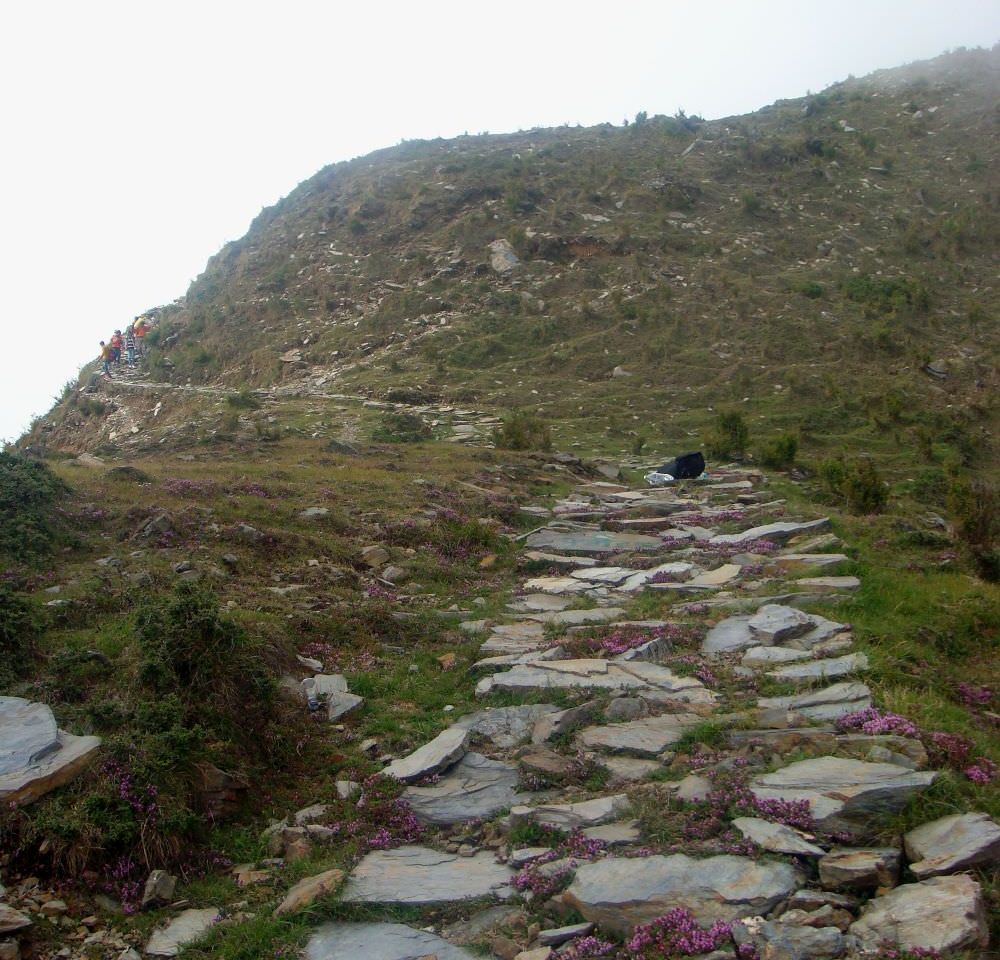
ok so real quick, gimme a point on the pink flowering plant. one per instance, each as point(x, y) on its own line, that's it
point(553, 870)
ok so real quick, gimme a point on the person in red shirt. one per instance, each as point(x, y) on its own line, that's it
point(116, 346)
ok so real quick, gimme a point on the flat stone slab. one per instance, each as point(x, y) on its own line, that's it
point(717, 577)
point(28, 733)
point(842, 791)
point(647, 737)
point(776, 837)
point(447, 747)
point(617, 894)
point(779, 532)
point(559, 561)
point(860, 868)
point(474, 788)
point(597, 674)
point(185, 928)
point(830, 584)
point(379, 941)
point(629, 769)
point(611, 575)
point(597, 541)
point(954, 843)
point(769, 656)
point(826, 704)
point(419, 875)
point(791, 560)
point(812, 670)
point(505, 727)
point(573, 816)
point(943, 914)
point(730, 636)
point(539, 603)
point(774, 623)
point(556, 585)
point(570, 618)
point(50, 771)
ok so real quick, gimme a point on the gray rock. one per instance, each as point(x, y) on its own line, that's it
point(502, 256)
point(159, 889)
point(596, 541)
point(185, 928)
point(625, 708)
point(730, 636)
point(419, 875)
point(774, 623)
point(475, 787)
point(12, 920)
point(564, 721)
point(775, 532)
point(618, 833)
point(943, 914)
point(27, 733)
point(821, 669)
point(830, 584)
point(36, 757)
point(313, 513)
point(340, 704)
point(842, 792)
point(555, 936)
point(776, 837)
point(506, 727)
point(786, 941)
point(860, 868)
point(958, 842)
point(693, 787)
point(619, 893)
point(648, 737)
point(379, 941)
point(440, 753)
point(826, 704)
point(629, 769)
point(769, 656)
point(572, 816)
point(569, 618)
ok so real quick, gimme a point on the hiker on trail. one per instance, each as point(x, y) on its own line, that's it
point(130, 345)
point(141, 329)
point(106, 360)
point(116, 346)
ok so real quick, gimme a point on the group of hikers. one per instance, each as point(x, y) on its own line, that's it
point(132, 342)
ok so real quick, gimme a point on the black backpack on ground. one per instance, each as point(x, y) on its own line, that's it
point(685, 467)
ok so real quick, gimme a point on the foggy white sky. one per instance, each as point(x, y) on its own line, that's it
point(140, 137)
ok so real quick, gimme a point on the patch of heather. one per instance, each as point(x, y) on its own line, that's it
point(982, 771)
point(873, 721)
point(183, 487)
point(378, 819)
point(973, 695)
point(574, 848)
point(948, 749)
point(676, 934)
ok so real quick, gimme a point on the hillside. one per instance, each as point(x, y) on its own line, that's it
point(345, 622)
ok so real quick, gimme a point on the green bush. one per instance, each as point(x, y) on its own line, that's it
point(811, 289)
point(730, 437)
point(523, 431)
point(975, 506)
point(18, 629)
point(401, 428)
point(189, 649)
point(244, 400)
point(888, 294)
point(779, 454)
point(28, 494)
point(856, 483)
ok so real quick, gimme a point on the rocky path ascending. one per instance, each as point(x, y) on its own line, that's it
point(670, 770)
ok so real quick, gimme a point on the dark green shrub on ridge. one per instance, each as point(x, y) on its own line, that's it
point(730, 437)
point(28, 494)
point(856, 483)
point(523, 431)
point(779, 454)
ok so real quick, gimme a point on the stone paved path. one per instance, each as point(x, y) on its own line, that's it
point(766, 680)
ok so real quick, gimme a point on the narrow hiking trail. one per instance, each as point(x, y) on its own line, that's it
point(716, 785)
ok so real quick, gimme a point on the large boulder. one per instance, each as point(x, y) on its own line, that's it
point(185, 928)
point(958, 842)
point(943, 913)
point(617, 894)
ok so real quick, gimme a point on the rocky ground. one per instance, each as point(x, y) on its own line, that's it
point(645, 788)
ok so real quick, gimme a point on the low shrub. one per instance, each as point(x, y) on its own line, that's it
point(401, 428)
point(730, 436)
point(856, 483)
point(779, 454)
point(18, 629)
point(523, 431)
point(29, 491)
point(975, 506)
point(244, 400)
